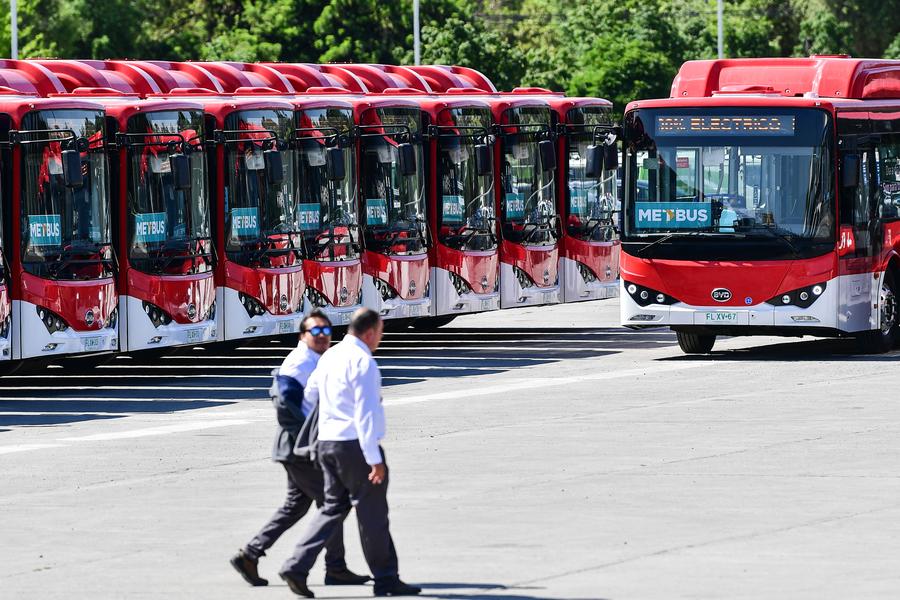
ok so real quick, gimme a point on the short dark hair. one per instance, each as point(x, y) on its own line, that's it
point(363, 320)
point(316, 313)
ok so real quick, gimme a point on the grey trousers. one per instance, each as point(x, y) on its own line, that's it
point(347, 486)
point(305, 484)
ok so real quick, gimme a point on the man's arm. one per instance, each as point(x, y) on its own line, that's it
point(311, 392)
point(367, 412)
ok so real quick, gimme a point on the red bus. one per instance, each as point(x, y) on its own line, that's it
point(161, 217)
point(762, 198)
point(587, 202)
point(57, 224)
point(260, 283)
point(391, 193)
point(326, 163)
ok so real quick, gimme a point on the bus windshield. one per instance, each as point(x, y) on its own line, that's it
point(261, 228)
point(326, 208)
point(528, 197)
point(65, 228)
point(591, 204)
point(395, 203)
point(466, 198)
point(168, 228)
point(753, 175)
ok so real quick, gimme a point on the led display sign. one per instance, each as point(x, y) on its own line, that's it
point(756, 125)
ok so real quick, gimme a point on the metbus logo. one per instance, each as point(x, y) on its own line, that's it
point(672, 215)
point(721, 295)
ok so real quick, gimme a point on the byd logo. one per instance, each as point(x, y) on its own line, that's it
point(721, 295)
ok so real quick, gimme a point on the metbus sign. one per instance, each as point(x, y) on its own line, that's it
point(675, 215)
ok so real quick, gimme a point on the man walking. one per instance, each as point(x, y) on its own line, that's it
point(304, 480)
point(347, 385)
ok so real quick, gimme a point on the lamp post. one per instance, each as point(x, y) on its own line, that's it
point(14, 30)
point(417, 44)
point(719, 15)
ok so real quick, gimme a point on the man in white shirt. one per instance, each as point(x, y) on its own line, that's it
point(347, 386)
point(304, 480)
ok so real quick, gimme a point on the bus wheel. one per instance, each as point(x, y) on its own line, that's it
point(695, 343)
point(884, 339)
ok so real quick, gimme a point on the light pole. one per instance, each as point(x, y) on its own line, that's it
point(719, 11)
point(14, 30)
point(417, 44)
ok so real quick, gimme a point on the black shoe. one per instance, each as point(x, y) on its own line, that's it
point(297, 583)
point(345, 577)
point(246, 566)
point(396, 587)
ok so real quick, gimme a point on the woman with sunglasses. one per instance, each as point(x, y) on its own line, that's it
point(304, 480)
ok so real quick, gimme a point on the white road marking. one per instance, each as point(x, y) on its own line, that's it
point(26, 447)
point(528, 384)
point(161, 430)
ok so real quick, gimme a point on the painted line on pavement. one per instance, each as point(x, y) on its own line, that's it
point(541, 382)
point(26, 447)
point(161, 430)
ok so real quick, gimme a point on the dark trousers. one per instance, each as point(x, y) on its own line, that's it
point(347, 485)
point(305, 485)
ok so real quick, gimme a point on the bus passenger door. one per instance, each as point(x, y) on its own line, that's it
point(858, 243)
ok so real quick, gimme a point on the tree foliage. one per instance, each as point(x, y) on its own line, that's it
point(619, 49)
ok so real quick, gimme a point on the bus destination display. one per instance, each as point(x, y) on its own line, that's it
point(756, 125)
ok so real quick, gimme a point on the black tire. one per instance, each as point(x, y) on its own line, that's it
point(695, 343)
point(879, 341)
point(429, 323)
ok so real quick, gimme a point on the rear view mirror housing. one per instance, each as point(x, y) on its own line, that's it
point(483, 160)
point(407, 156)
point(71, 168)
point(181, 171)
point(594, 160)
point(611, 157)
point(850, 170)
point(274, 166)
point(334, 164)
point(548, 155)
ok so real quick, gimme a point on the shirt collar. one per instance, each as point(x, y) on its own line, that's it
point(352, 339)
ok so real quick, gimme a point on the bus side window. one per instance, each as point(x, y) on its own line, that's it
point(889, 178)
point(857, 203)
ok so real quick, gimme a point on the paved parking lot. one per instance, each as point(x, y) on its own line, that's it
point(535, 454)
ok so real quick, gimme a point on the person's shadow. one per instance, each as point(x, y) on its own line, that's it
point(445, 591)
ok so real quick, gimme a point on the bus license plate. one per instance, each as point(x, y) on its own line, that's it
point(92, 343)
point(721, 317)
point(342, 318)
point(286, 326)
point(485, 305)
point(194, 335)
point(415, 310)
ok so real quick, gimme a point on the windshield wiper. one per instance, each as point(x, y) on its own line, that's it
point(782, 235)
point(669, 236)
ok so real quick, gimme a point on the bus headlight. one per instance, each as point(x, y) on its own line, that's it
point(52, 321)
point(156, 315)
point(459, 284)
point(801, 297)
point(385, 290)
point(645, 296)
point(251, 305)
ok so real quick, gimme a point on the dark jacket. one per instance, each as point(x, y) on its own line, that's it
point(287, 395)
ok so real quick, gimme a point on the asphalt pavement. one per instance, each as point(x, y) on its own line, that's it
point(535, 454)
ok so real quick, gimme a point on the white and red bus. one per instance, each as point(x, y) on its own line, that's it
point(161, 222)
point(762, 198)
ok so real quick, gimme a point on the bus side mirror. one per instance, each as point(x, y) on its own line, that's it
point(611, 157)
point(548, 155)
point(334, 164)
point(594, 159)
point(483, 160)
point(71, 166)
point(407, 154)
point(850, 171)
point(181, 171)
point(274, 166)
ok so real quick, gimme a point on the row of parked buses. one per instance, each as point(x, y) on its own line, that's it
point(151, 204)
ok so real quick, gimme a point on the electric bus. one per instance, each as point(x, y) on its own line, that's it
point(762, 198)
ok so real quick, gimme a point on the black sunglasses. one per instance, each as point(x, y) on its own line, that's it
point(317, 330)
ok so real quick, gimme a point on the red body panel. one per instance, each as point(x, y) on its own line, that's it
point(596, 256)
point(475, 269)
point(175, 293)
point(268, 285)
point(329, 279)
point(72, 299)
point(692, 282)
point(407, 275)
point(535, 261)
